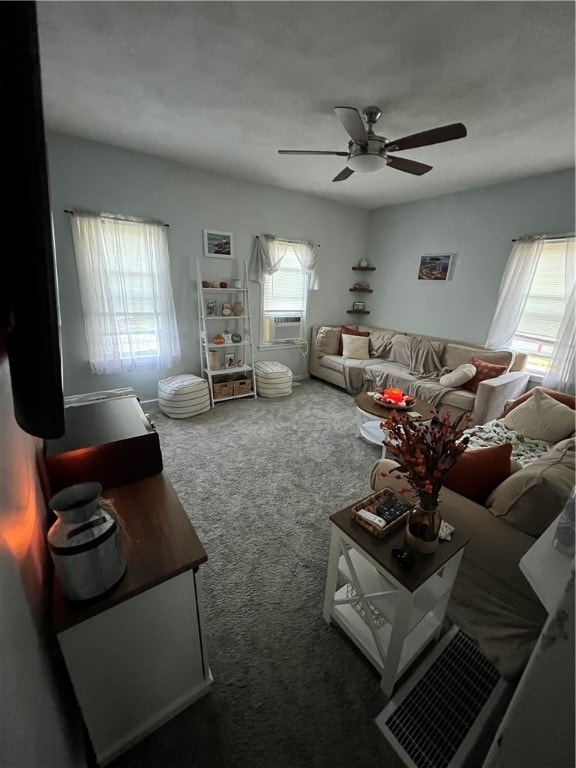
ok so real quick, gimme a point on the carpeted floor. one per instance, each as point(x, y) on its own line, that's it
point(259, 479)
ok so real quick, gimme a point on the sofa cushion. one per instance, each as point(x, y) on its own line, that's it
point(327, 340)
point(478, 471)
point(350, 332)
point(457, 354)
point(541, 417)
point(458, 377)
point(532, 498)
point(562, 397)
point(484, 370)
point(355, 347)
point(380, 340)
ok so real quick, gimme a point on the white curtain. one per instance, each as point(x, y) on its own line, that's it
point(126, 294)
point(561, 375)
point(269, 251)
point(514, 290)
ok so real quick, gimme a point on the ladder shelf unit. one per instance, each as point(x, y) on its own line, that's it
point(234, 331)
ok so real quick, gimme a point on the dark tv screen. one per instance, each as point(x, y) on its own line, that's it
point(29, 311)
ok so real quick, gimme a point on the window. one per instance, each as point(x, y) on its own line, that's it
point(535, 308)
point(126, 294)
point(284, 302)
point(286, 270)
point(540, 320)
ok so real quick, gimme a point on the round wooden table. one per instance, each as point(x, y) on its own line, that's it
point(370, 407)
point(372, 413)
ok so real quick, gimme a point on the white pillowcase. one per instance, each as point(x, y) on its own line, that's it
point(541, 418)
point(458, 376)
point(356, 347)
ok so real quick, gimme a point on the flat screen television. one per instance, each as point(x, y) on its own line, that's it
point(29, 299)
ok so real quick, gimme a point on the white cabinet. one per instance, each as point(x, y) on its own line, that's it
point(226, 343)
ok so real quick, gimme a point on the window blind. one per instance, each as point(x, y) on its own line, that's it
point(285, 290)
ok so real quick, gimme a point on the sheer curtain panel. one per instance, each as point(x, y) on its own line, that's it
point(269, 251)
point(126, 294)
point(562, 374)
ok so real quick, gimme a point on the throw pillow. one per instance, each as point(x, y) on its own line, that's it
point(355, 347)
point(562, 397)
point(541, 417)
point(484, 371)
point(460, 376)
point(350, 332)
point(532, 498)
point(478, 471)
point(327, 341)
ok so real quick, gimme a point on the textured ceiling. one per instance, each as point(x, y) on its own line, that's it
point(223, 86)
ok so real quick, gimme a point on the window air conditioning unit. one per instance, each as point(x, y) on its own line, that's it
point(286, 328)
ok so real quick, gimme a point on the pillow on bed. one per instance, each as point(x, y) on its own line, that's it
point(478, 471)
point(541, 417)
point(532, 498)
point(355, 347)
point(458, 376)
point(327, 341)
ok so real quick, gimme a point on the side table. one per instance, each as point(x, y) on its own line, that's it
point(390, 613)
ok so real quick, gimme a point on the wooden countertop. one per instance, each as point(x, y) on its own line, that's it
point(160, 543)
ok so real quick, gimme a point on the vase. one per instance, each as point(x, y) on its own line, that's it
point(85, 542)
point(422, 529)
point(214, 362)
point(238, 308)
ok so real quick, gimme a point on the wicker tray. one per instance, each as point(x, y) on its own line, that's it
point(370, 503)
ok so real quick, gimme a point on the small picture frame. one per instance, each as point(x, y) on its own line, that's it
point(436, 266)
point(210, 305)
point(218, 245)
point(359, 306)
point(229, 360)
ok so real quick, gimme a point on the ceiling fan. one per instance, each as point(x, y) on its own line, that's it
point(368, 152)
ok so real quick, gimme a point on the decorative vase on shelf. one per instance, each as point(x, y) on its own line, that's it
point(238, 308)
point(363, 264)
point(213, 360)
point(423, 528)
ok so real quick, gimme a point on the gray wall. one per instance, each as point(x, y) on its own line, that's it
point(478, 225)
point(89, 175)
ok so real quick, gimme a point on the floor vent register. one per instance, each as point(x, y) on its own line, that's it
point(437, 716)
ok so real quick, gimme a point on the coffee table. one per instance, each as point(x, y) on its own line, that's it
point(372, 413)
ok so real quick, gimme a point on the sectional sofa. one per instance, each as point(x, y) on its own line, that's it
point(504, 513)
point(420, 365)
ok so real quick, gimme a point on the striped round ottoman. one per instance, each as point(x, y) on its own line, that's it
point(272, 379)
point(180, 397)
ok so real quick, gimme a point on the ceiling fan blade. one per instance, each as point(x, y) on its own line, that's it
point(353, 123)
point(309, 152)
point(410, 166)
point(344, 174)
point(434, 136)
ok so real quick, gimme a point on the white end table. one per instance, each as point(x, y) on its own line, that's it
point(403, 609)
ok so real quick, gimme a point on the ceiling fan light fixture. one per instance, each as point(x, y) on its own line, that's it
point(366, 162)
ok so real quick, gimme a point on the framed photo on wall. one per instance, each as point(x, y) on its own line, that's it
point(218, 245)
point(436, 266)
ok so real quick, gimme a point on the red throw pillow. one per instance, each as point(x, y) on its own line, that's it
point(484, 371)
point(350, 332)
point(561, 397)
point(478, 471)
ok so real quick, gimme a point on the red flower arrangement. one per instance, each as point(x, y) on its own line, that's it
point(426, 451)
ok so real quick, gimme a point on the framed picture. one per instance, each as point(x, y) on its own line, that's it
point(435, 266)
point(218, 244)
point(359, 306)
point(210, 307)
point(229, 360)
